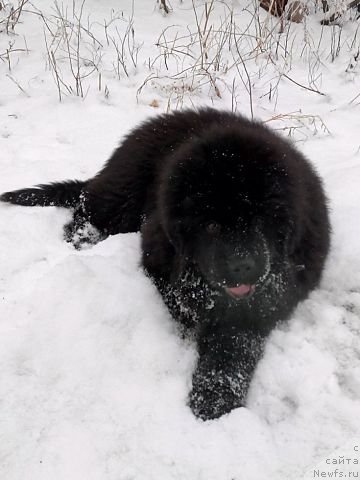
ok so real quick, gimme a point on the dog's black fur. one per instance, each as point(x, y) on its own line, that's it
point(234, 226)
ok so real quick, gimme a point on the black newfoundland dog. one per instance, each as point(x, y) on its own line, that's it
point(234, 226)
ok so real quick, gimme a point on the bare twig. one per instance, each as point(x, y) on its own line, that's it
point(17, 84)
point(13, 17)
point(301, 123)
point(249, 87)
point(164, 6)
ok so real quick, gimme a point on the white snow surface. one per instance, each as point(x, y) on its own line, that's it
point(93, 374)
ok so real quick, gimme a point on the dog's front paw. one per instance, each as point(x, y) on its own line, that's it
point(215, 393)
point(82, 234)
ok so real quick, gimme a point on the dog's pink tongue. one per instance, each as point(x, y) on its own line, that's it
point(239, 291)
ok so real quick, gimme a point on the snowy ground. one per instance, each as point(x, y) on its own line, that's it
point(94, 377)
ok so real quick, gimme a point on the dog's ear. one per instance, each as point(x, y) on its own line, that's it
point(176, 220)
point(179, 266)
point(180, 233)
point(175, 234)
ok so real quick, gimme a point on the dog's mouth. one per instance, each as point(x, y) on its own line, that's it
point(241, 291)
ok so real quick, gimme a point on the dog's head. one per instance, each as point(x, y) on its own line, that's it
point(225, 206)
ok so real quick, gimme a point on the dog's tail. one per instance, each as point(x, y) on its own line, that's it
point(61, 194)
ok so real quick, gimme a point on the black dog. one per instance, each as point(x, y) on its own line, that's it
point(234, 226)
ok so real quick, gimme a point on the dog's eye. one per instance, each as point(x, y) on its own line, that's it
point(213, 228)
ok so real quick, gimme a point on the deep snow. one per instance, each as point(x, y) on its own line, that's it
point(94, 377)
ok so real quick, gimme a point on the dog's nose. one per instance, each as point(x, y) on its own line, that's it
point(243, 264)
point(244, 269)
